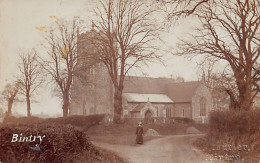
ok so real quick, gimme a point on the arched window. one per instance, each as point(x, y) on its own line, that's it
point(202, 106)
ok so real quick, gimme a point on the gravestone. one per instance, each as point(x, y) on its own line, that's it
point(151, 132)
point(192, 130)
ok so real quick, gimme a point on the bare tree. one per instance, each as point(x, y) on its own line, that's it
point(9, 94)
point(30, 78)
point(256, 82)
point(123, 41)
point(63, 58)
point(220, 85)
point(229, 32)
point(180, 8)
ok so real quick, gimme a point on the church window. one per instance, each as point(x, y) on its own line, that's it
point(168, 112)
point(84, 111)
point(164, 112)
point(90, 70)
point(183, 113)
point(202, 106)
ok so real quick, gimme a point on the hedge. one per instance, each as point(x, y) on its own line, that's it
point(59, 144)
point(76, 120)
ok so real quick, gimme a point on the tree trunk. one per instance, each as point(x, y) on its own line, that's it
point(233, 102)
point(65, 106)
point(244, 85)
point(10, 104)
point(245, 98)
point(118, 109)
point(28, 105)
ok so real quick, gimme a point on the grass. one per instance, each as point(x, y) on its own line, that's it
point(114, 134)
point(124, 134)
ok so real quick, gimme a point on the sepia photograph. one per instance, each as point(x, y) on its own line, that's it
point(130, 81)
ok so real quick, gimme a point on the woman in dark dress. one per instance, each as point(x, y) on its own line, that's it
point(139, 133)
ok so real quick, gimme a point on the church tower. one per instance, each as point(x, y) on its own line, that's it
point(92, 89)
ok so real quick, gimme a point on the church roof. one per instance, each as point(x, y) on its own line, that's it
point(139, 107)
point(176, 92)
point(146, 85)
point(138, 97)
point(182, 92)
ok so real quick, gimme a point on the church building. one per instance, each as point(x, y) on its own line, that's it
point(93, 92)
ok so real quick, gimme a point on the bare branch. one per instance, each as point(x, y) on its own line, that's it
point(30, 79)
point(123, 38)
point(61, 65)
point(229, 32)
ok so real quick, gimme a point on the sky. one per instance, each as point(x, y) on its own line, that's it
point(19, 20)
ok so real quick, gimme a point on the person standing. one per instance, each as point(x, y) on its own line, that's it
point(139, 133)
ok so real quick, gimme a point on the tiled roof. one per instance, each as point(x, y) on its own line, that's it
point(139, 107)
point(177, 92)
point(182, 92)
point(134, 84)
point(156, 98)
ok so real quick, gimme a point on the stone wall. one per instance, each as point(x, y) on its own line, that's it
point(95, 96)
point(181, 110)
point(103, 91)
point(92, 89)
point(201, 92)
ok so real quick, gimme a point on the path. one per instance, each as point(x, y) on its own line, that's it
point(170, 149)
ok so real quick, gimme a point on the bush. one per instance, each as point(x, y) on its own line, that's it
point(183, 120)
point(22, 120)
point(159, 120)
point(234, 123)
point(60, 143)
point(76, 120)
point(133, 121)
point(235, 128)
